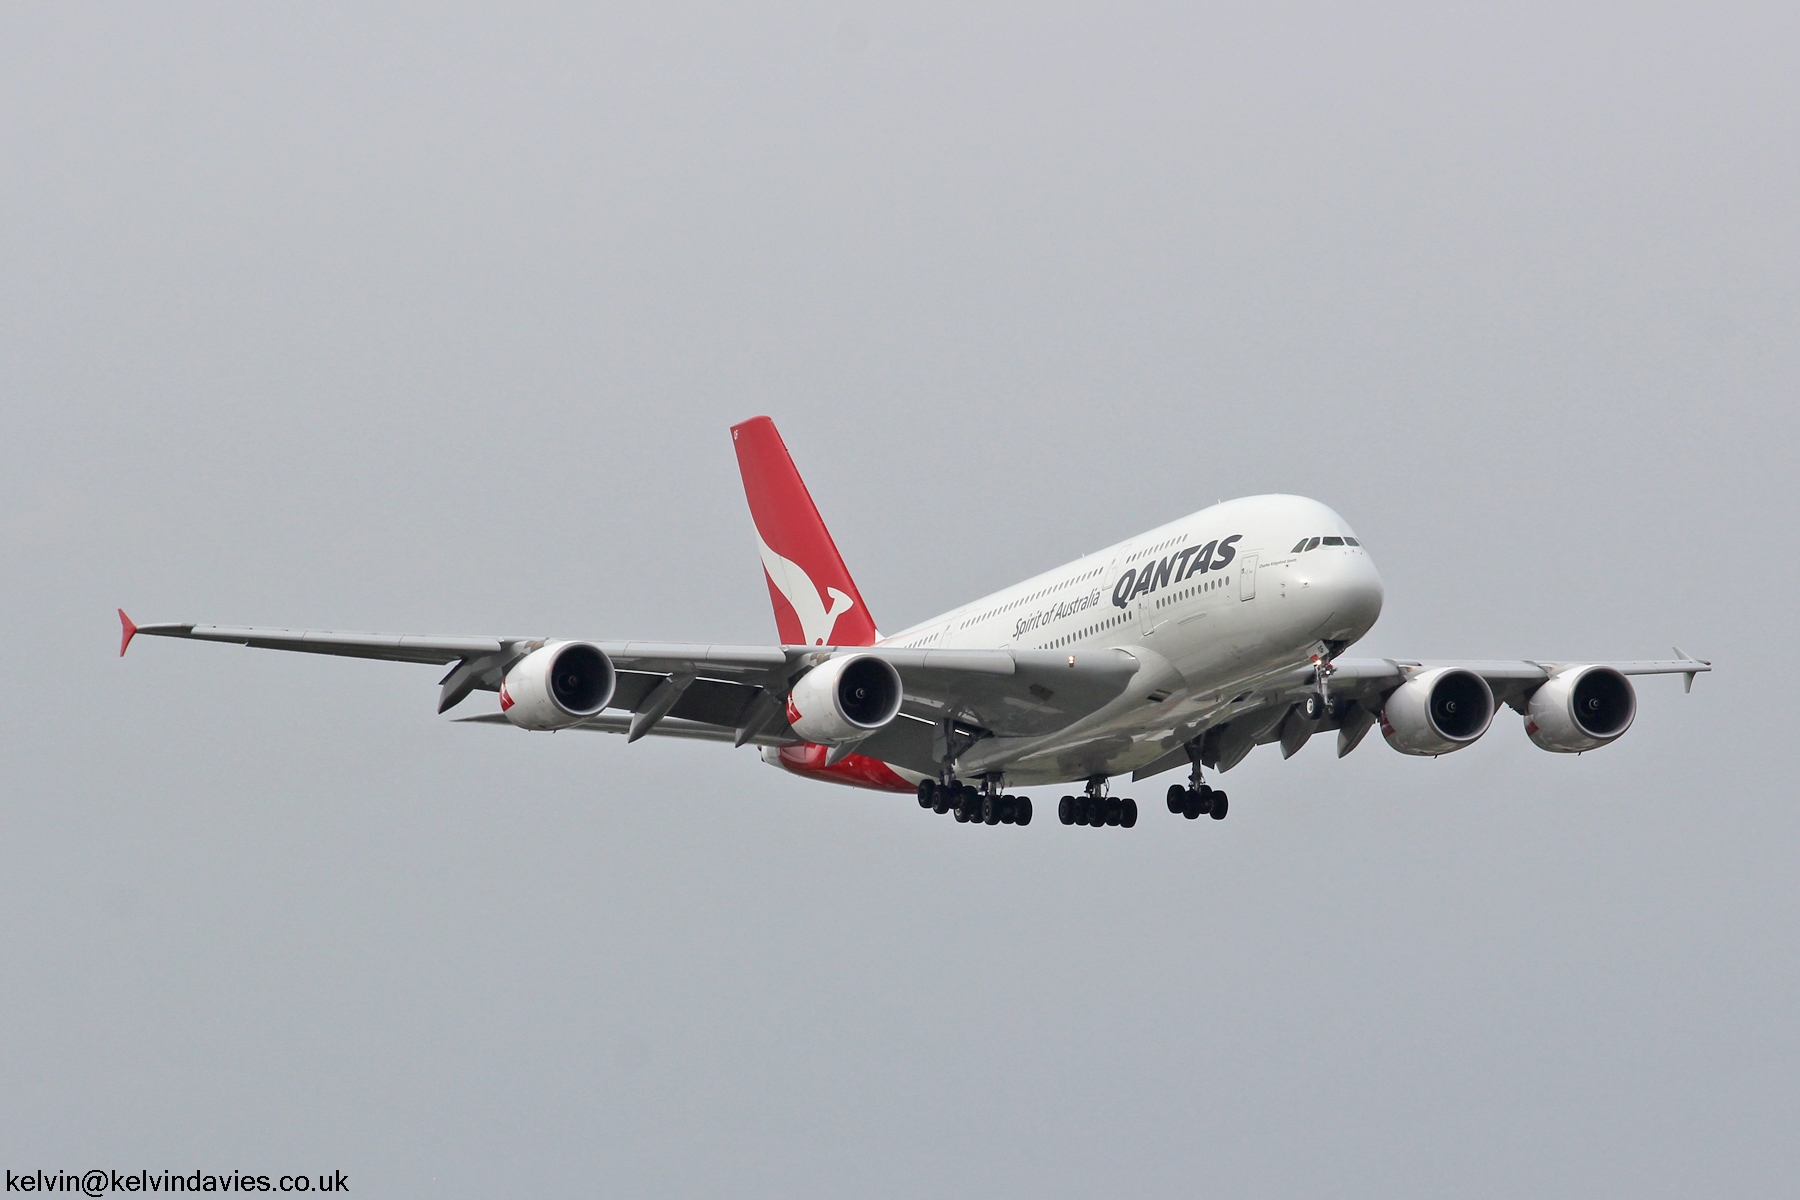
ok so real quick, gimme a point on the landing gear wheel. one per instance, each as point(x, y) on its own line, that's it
point(1177, 797)
point(942, 803)
point(1128, 814)
point(1084, 811)
point(962, 813)
point(1314, 708)
point(1024, 815)
point(1221, 804)
point(990, 810)
point(1065, 810)
point(1194, 801)
point(927, 793)
point(1009, 810)
point(1115, 811)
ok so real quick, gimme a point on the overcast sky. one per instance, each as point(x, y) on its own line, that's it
point(433, 318)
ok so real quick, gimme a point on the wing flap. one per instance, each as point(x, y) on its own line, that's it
point(395, 647)
point(668, 727)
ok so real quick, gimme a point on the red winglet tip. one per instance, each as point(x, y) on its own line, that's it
point(126, 632)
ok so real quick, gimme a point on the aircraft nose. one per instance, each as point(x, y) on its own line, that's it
point(1358, 594)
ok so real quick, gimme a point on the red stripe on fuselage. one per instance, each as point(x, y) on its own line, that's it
point(856, 770)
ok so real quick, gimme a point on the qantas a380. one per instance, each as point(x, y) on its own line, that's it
point(1184, 647)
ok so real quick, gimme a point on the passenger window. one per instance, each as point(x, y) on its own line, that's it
point(1334, 541)
point(1313, 545)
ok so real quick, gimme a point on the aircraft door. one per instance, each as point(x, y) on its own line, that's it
point(1247, 577)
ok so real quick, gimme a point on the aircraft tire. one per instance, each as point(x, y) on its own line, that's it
point(1177, 797)
point(1221, 804)
point(1024, 815)
point(1065, 810)
point(927, 793)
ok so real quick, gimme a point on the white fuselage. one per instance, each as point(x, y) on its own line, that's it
point(1212, 605)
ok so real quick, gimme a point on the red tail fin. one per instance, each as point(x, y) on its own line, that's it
point(816, 601)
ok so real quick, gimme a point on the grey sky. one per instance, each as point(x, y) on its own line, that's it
point(431, 318)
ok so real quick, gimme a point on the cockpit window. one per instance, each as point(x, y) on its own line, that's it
point(1334, 541)
point(1313, 545)
point(1298, 546)
point(1350, 541)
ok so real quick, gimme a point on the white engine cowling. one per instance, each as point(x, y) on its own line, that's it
point(1581, 708)
point(1437, 711)
point(844, 699)
point(557, 685)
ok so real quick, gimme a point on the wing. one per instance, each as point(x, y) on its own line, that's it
point(727, 692)
point(1268, 714)
point(1512, 682)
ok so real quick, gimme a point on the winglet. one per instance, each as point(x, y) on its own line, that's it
point(126, 633)
point(1687, 677)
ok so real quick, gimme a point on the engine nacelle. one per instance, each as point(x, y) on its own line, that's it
point(1437, 711)
point(844, 699)
point(557, 685)
point(1581, 708)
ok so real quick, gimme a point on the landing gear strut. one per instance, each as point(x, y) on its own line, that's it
point(1319, 704)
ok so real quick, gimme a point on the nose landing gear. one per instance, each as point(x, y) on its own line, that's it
point(1319, 704)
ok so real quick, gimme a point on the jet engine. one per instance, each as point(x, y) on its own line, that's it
point(844, 699)
point(1437, 711)
point(557, 685)
point(1580, 708)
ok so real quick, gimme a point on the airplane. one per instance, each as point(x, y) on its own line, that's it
point(1186, 646)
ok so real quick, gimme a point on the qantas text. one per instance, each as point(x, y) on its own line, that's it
point(1152, 576)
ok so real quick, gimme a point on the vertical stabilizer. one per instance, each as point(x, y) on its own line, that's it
point(816, 602)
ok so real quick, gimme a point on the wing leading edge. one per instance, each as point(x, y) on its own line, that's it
point(999, 692)
point(1268, 713)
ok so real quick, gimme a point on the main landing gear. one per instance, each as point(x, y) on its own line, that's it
point(1197, 798)
point(1094, 808)
point(975, 806)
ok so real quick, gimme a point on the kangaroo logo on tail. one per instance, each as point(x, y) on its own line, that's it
point(798, 589)
point(816, 602)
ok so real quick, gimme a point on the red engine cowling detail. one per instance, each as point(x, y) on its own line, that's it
point(1437, 711)
point(558, 685)
point(1580, 708)
point(855, 770)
